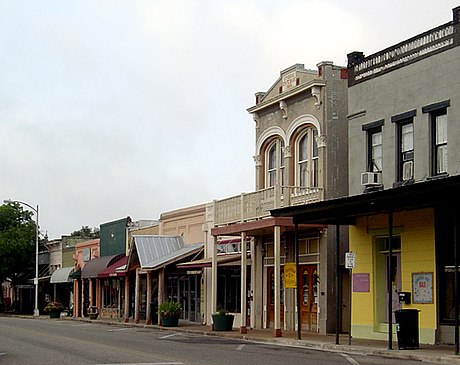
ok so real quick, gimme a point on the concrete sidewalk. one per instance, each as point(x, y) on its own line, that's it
point(443, 354)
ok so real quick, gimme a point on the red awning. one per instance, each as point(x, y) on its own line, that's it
point(118, 268)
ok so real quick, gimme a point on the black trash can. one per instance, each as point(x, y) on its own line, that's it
point(407, 328)
point(154, 312)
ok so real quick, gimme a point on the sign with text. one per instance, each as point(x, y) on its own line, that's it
point(350, 260)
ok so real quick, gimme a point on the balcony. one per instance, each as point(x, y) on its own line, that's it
point(257, 205)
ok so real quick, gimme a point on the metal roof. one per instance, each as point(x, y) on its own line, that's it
point(62, 275)
point(155, 251)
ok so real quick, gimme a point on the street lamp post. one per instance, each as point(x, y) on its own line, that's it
point(36, 312)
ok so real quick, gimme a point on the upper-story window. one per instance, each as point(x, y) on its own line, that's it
point(307, 160)
point(404, 145)
point(275, 163)
point(438, 140)
point(373, 131)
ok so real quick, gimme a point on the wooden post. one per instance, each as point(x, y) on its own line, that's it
point(244, 270)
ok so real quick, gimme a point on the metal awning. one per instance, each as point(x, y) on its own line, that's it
point(156, 251)
point(62, 275)
point(222, 260)
point(93, 267)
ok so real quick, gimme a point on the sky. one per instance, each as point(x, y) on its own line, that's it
point(111, 109)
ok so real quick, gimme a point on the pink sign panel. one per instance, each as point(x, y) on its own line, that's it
point(361, 283)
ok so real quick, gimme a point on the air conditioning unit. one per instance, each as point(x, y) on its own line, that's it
point(408, 170)
point(371, 178)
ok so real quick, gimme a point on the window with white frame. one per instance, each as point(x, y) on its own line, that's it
point(307, 159)
point(275, 163)
point(404, 145)
point(438, 127)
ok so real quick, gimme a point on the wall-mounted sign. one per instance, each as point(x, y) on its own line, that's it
point(422, 287)
point(350, 260)
point(86, 254)
point(361, 283)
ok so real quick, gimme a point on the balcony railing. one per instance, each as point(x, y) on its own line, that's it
point(257, 205)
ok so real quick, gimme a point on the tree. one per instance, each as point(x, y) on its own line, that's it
point(86, 232)
point(17, 243)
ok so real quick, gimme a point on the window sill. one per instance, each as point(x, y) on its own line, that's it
point(436, 177)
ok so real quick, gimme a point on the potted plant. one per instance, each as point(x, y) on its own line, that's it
point(54, 309)
point(169, 313)
point(93, 312)
point(222, 320)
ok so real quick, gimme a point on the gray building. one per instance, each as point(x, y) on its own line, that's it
point(300, 157)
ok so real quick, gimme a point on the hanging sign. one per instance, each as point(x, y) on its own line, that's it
point(290, 274)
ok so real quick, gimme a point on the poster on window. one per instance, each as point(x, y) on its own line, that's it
point(422, 287)
point(290, 274)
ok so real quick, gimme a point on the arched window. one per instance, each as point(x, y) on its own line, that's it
point(307, 159)
point(275, 163)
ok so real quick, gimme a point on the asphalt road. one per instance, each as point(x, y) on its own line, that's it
point(44, 341)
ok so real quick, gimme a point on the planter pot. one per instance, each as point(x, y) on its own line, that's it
point(93, 315)
point(170, 321)
point(223, 322)
point(55, 314)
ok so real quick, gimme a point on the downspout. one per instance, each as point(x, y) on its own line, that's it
point(389, 286)
point(338, 286)
point(456, 280)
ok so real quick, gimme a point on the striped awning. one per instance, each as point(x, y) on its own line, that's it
point(62, 275)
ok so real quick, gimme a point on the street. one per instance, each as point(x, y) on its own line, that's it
point(26, 341)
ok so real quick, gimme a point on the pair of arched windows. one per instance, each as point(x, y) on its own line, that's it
point(305, 155)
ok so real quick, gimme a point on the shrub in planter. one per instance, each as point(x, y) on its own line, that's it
point(222, 320)
point(170, 313)
point(54, 309)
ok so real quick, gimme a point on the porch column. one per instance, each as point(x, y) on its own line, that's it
point(254, 262)
point(136, 297)
point(76, 300)
point(214, 277)
point(90, 292)
point(244, 270)
point(277, 263)
point(148, 312)
point(82, 297)
point(390, 288)
point(161, 290)
point(127, 296)
point(98, 294)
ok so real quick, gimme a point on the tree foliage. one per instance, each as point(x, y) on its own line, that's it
point(86, 232)
point(17, 243)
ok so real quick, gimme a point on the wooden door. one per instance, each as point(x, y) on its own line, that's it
point(271, 296)
point(309, 279)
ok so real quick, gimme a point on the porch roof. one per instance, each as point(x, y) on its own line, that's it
point(222, 260)
point(156, 251)
point(344, 211)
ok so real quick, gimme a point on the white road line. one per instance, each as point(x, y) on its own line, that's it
point(147, 363)
point(118, 330)
point(167, 336)
point(2, 353)
point(240, 347)
point(351, 360)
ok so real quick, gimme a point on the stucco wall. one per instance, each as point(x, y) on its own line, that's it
point(416, 230)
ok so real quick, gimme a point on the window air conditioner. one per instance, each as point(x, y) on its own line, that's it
point(371, 178)
point(408, 170)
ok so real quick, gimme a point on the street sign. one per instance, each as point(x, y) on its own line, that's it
point(350, 260)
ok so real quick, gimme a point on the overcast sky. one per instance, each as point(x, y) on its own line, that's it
point(117, 108)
